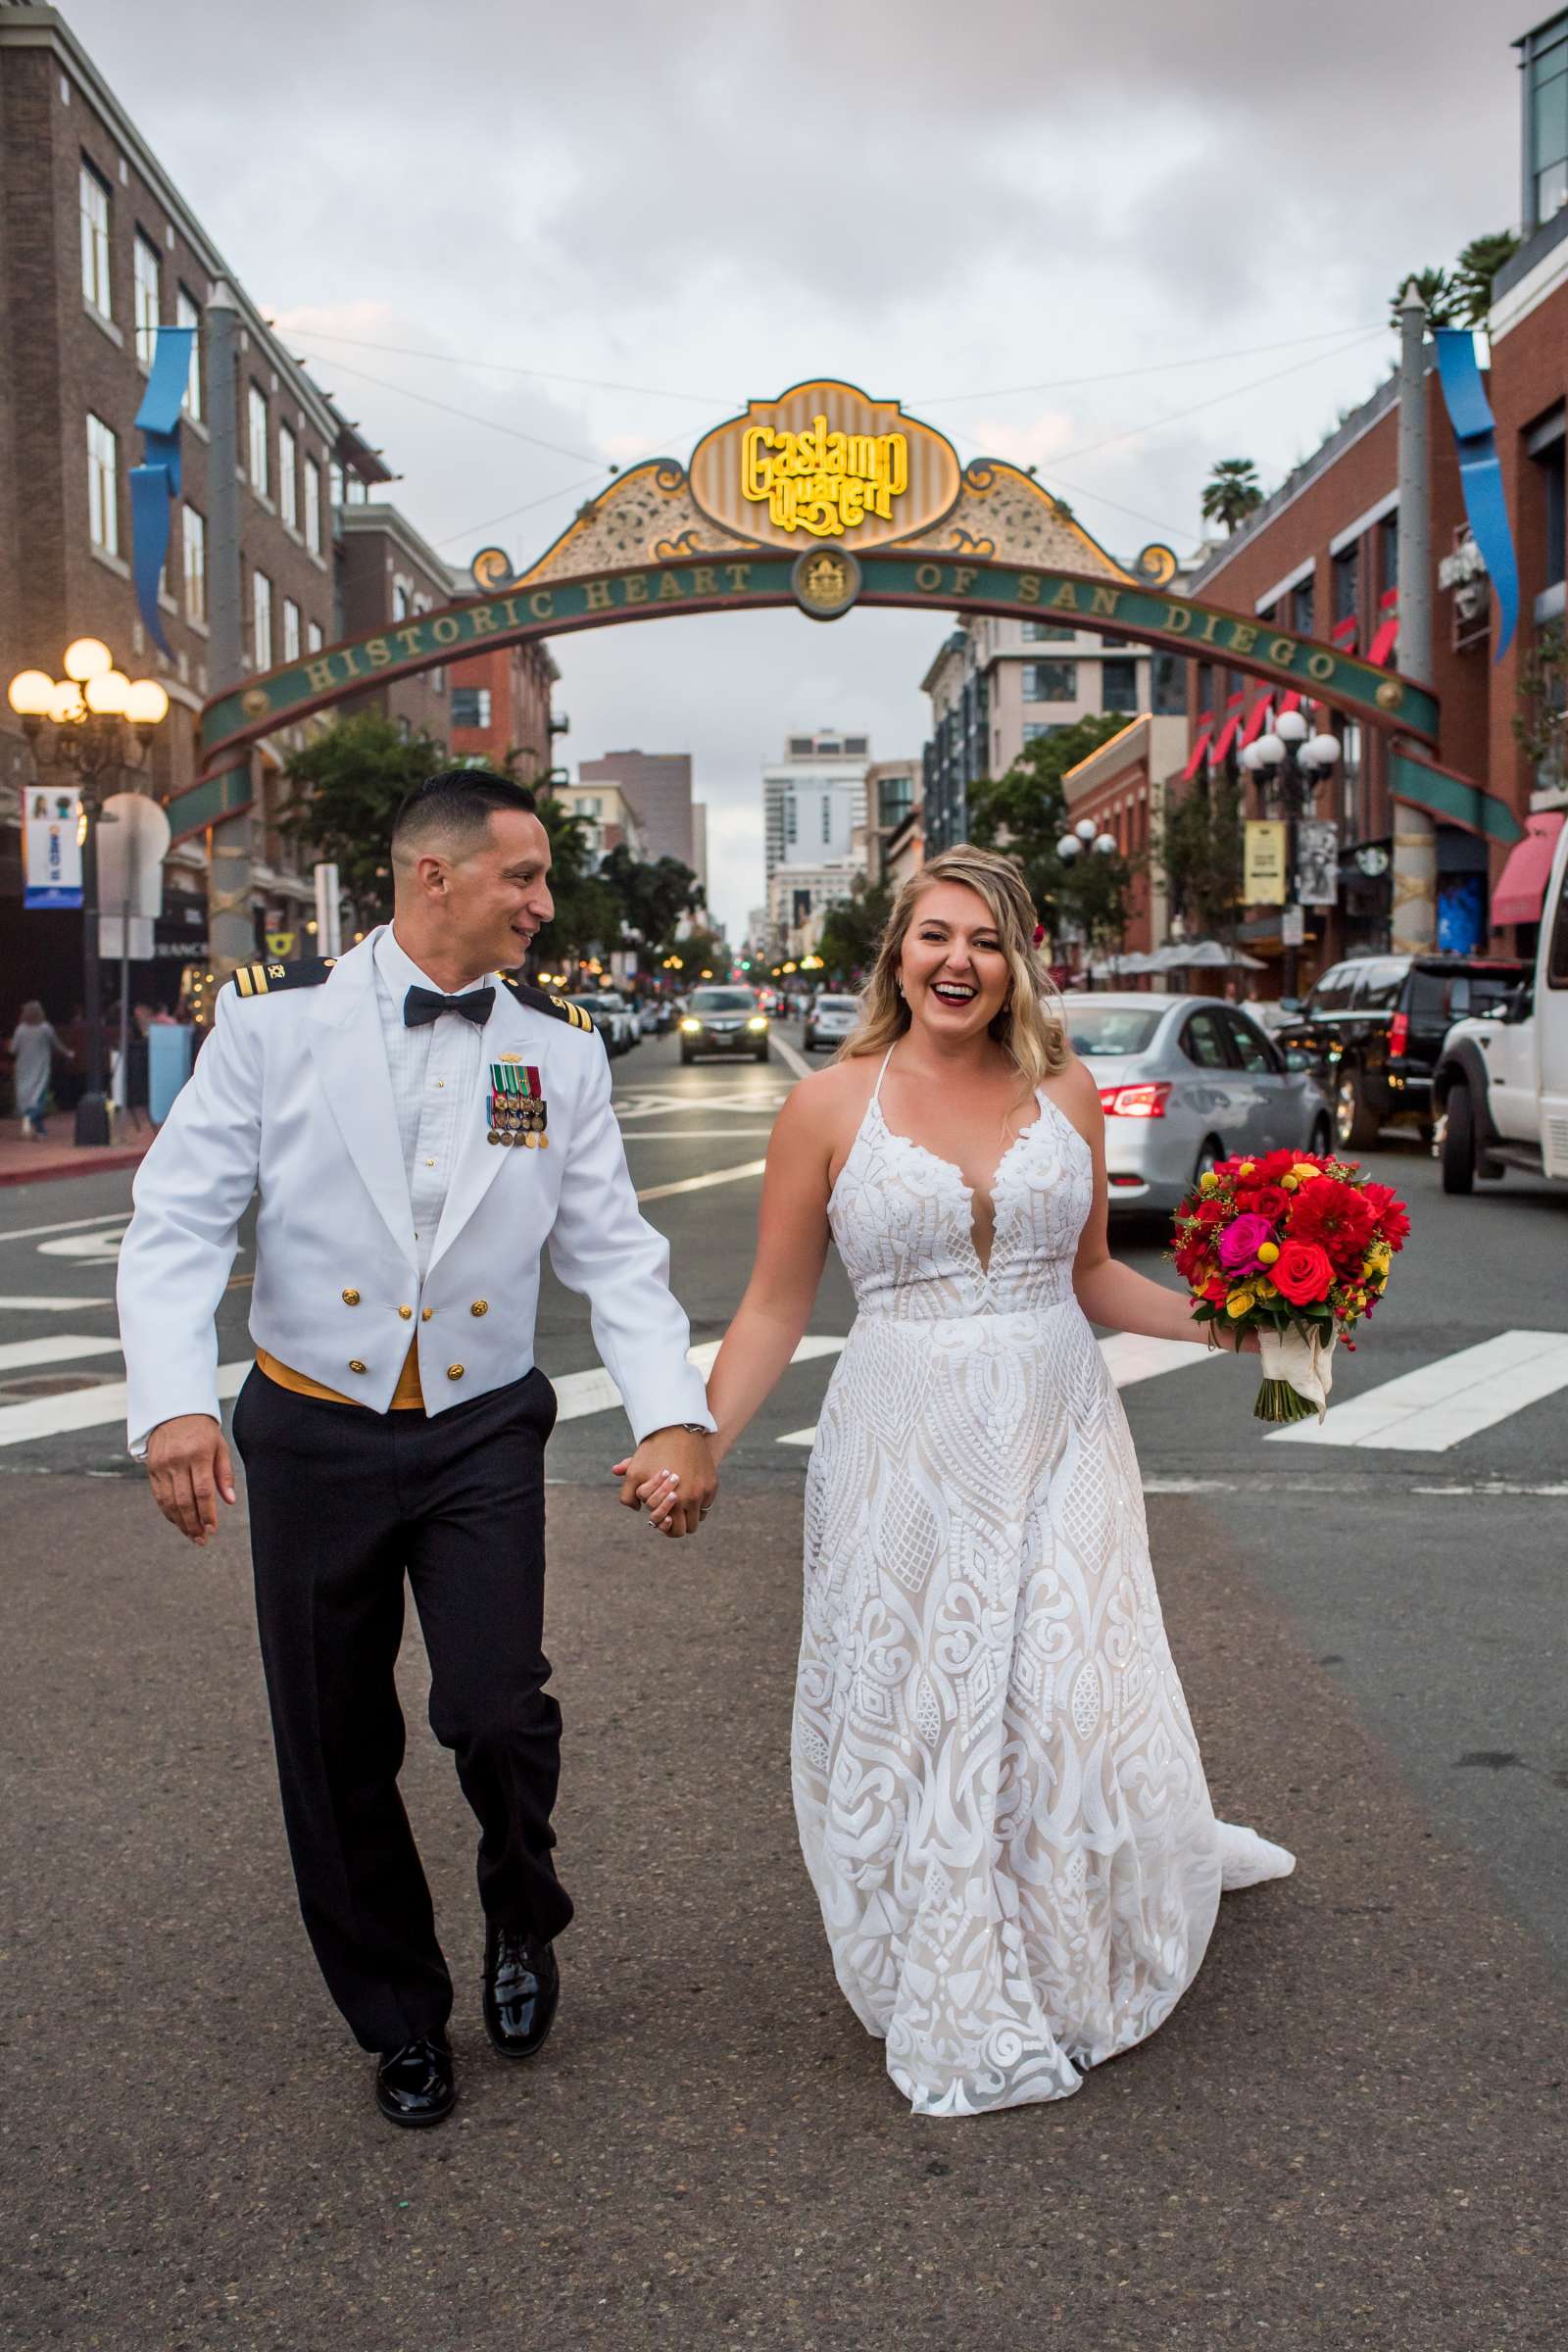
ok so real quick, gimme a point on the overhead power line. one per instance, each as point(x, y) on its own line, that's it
point(1164, 367)
point(549, 376)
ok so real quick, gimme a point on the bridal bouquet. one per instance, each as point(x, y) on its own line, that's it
point(1296, 1248)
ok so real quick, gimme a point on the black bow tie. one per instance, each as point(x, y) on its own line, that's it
point(423, 1004)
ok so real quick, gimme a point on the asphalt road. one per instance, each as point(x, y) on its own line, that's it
point(1350, 2133)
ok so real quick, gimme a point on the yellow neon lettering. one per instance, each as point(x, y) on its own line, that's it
point(822, 481)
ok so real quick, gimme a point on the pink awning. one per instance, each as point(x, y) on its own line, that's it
point(1388, 628)
point(1228, 732)
point(1522, 884)
point(1255, 724)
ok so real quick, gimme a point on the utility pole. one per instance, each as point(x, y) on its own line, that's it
point(1415, 849)
point(230, 928)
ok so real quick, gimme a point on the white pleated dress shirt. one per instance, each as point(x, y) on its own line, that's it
point(436, 1072)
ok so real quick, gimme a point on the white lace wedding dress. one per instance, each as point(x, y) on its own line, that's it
point(999, 1790)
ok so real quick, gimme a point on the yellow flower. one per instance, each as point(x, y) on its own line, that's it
point(1290, 1183)
point(1304, 1170)
point(1248, 1167)
point(1208, 1181)
point(1239, 1302)
point(1268, 1253)
point(1378, 1259)
point(1268, 1289)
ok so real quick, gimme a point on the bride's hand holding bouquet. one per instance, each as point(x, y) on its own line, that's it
point(1296, 1249)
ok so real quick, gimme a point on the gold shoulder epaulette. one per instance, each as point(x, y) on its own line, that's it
point(539, 999)
point(268, 979)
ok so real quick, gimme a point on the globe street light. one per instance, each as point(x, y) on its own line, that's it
point(1288, 761)
point(88, 711)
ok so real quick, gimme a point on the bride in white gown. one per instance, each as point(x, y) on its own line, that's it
point(999, 1790)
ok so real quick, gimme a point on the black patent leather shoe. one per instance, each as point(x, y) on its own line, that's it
point(416, 2085)
point(522, 1988)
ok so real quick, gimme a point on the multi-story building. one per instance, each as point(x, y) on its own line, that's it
point(798, 898)
point(892, 789)
point(813, 798)
point(500, 708)
point(997, 685)
point(1121, 787)
point(98, 250)
point(608, 815)
point(658, 785)
point(699, 855)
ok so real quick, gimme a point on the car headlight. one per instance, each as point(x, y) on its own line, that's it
point(759, 1020)
point(691, 1028)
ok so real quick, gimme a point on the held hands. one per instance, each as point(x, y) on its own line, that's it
point(189, 1468)
point(673, 1472)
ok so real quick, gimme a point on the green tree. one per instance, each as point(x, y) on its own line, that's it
point(1231, 492)
point(651, 897)
point(1475, 271)
point(348, 783)
point(699, 951)
point(1200, 853)
point(1025, 813)
point(852, 931)
point(587, 916)
point(1441, 293)
point(1539, 719)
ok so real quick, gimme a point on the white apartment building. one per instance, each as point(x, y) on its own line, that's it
point(814, 813)
point(609, 817)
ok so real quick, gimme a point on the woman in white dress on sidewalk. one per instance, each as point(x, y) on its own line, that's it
point(998, 1792)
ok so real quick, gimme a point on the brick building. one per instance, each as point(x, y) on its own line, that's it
point(98, 249)
point(1121, 787)
point(500, 708)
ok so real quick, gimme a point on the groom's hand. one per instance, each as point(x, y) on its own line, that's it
point(675, 1470)
point(189, 1466)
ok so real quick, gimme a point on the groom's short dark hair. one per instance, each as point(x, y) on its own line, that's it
point(455, 805)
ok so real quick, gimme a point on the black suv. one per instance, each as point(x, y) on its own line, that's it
point(1374, 1027)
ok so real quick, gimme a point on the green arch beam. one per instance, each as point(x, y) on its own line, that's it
point(277, 697)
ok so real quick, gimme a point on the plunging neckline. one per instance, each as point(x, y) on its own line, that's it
point(972, 1193)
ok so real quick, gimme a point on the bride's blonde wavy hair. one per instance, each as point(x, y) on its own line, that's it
point(1032, 1032)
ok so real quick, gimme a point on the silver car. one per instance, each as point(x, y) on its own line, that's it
point(830, 1020)
point(1186, 1080)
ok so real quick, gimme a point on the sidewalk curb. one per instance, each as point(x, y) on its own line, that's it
point(49, 1170)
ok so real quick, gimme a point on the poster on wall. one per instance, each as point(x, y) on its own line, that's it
point(1462, 913)
point(1317, 862)
point(51, 854)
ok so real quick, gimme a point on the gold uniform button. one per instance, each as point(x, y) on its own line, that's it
point(453, 1371)
point(350, 1297)
point(426, 1312)
point(355, 1365)
point(480, 1306)
point(407, 1312)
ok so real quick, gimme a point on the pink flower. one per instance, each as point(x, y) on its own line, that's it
point(1241, 1241)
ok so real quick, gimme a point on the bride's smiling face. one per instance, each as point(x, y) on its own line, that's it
point(954, 975)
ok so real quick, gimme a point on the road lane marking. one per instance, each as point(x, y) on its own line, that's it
point(23, 1355)
point(1128, 1358)
point(1443, 1402)
point(790, 1059)
point(28, 1233)
point(87, 1249)
point(53, 1306)
point(700, 1184)
point(578, 1393)
point(649, 1106)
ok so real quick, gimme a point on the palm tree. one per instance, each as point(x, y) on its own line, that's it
point(1437, 290)
point(1231, 492)
point(1475, 271)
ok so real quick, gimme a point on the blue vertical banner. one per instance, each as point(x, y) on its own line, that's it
point(51, 845)
point(1475, 438)
point(155, 482)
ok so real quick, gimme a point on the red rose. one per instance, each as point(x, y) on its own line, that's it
point(1336, 1216)
point(1392, 1218)
point(1275, 1165)
point(1268, 1201)
point(1303, 1273)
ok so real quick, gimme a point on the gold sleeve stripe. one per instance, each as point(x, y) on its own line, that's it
point(242, 981)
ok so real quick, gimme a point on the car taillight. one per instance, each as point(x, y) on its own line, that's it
point(1399, 1036)
point(1135, 1101)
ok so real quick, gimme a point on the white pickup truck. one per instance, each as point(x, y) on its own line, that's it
point(1502, 1080)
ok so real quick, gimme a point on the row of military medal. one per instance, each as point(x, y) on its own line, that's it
point(518, 1110)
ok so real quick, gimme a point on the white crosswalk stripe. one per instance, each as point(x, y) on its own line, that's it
point(1455, 1397)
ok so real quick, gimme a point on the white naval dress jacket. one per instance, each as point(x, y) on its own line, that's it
point(291, 1096)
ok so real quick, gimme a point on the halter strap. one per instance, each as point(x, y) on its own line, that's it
point(877, 1091)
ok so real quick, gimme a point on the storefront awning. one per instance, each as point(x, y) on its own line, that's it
point(1199, 753)
point(1522, 884)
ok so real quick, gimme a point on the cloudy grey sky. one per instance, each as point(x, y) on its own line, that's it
point(1118, 241)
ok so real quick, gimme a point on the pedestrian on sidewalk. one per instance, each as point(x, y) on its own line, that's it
point(35, 1044)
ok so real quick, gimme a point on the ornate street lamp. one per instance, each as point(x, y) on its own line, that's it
point(88, 713)
point(1289, 762)
point(1079, 843)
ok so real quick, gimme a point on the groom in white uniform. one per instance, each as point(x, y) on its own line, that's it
point(418, 1126)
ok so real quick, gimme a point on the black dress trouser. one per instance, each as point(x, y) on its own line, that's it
point(343, 1503)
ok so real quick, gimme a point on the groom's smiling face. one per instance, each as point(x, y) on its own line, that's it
point(955, 972)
